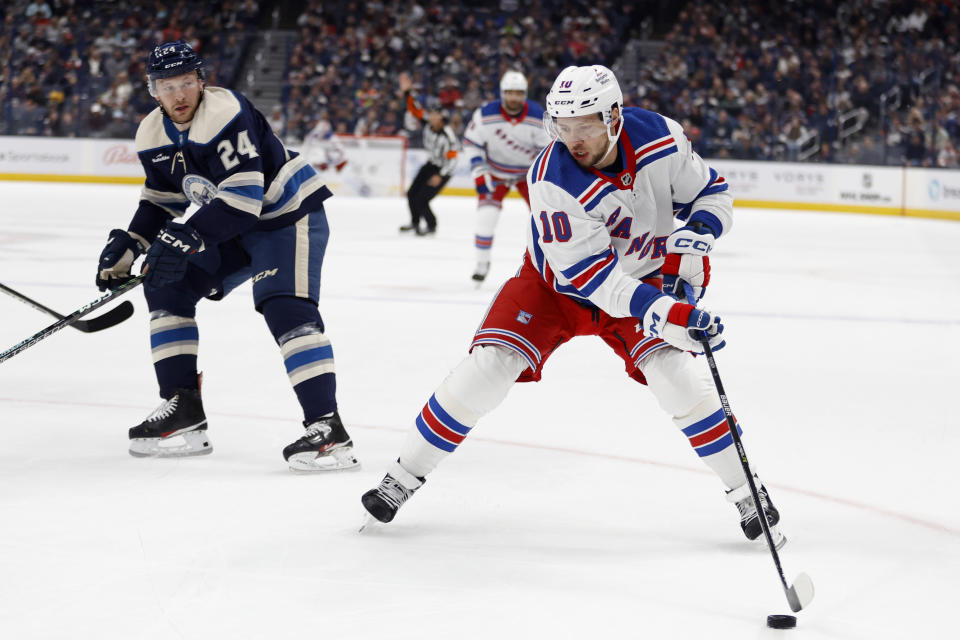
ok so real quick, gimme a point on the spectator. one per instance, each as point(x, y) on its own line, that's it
point(277, 120)
point(38, 11)
point(949, 157)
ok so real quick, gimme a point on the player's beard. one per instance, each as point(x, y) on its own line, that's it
point(185, 116)
point(590, 159)
point(513, 108)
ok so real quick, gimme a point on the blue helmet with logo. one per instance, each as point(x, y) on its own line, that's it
point(172, 59)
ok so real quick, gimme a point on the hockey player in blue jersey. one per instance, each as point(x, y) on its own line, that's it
point(260, 215)
point(624, 213)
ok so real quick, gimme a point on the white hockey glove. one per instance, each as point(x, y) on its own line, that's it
point(482, 178)
point(683, 325)
point(687, 261)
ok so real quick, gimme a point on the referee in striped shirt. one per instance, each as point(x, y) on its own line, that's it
point(442, 145)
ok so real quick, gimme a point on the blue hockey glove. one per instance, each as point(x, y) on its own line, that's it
point(166, 261)
point(117, 258)
point(683, 325)
point(687, 261)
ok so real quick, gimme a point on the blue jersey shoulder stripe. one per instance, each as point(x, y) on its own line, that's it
point(535, 111)
point(492, 108)
point(643, 126)
point(564, 172)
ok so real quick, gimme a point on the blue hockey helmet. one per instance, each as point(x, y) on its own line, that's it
point(172, 59)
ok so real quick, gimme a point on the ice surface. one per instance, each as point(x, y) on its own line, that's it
point(575, 510)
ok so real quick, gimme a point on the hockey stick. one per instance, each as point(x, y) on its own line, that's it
point(132, 283)
point(800, 593)
point(113, 317)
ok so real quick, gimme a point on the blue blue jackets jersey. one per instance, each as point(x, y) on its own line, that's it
point(230, 164)
point(594, 235)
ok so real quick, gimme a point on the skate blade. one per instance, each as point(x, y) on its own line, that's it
point(369, 523)
point(336, 460)
point(779, 540)
point(184, 445)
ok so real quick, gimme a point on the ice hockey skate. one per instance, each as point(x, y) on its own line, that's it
point(480, 273)
point(396, 488)
point(749, 520)
point(177, 428)
point(325, 446)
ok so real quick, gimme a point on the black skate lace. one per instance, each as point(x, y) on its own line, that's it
point(392, 492)
point(165, 410)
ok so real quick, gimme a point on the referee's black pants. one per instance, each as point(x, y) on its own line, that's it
point(420, 194)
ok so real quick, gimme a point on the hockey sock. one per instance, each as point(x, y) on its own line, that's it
point(478, 384)
point(307, 353)
point(710, 437)
point(174, 341)
point(684, 389)
point(487, 217)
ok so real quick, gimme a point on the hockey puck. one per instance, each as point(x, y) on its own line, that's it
point(776, 621)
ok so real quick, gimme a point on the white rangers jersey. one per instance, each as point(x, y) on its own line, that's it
point(594, 235)
point(505, 145)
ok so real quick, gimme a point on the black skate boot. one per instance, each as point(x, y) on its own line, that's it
point(480, 273)
point(177, 428)
point(396, 488)
point(749, 520)
point(325, 446)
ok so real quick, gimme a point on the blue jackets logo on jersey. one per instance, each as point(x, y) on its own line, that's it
point(198, 189)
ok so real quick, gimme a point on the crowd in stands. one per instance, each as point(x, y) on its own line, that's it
point(344, 64)
point(76, 67)
point(864, 81)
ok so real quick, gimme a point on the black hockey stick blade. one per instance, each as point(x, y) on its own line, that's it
point(104, 321)
point(110, 318)
point(70, 319)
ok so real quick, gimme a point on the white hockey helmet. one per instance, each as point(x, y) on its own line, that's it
point(513, 81)
point(580, 91)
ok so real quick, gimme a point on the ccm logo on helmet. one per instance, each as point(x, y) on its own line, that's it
point(560, 102)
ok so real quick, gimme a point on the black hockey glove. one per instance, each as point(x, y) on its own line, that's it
point(117, 258)
point(166, 261)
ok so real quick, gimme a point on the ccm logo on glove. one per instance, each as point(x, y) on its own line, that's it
point(174, 242)
point(691, 244)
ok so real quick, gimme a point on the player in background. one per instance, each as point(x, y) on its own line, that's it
point(442, 147)
point(502, 139)
point(260, 216)
point(624, 213)
point(323, 149)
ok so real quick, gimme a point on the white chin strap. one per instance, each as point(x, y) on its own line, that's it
point(612, 139)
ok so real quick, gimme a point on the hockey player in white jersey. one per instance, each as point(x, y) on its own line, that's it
point(323, 149)
point(502, 139)
point(624, 213)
